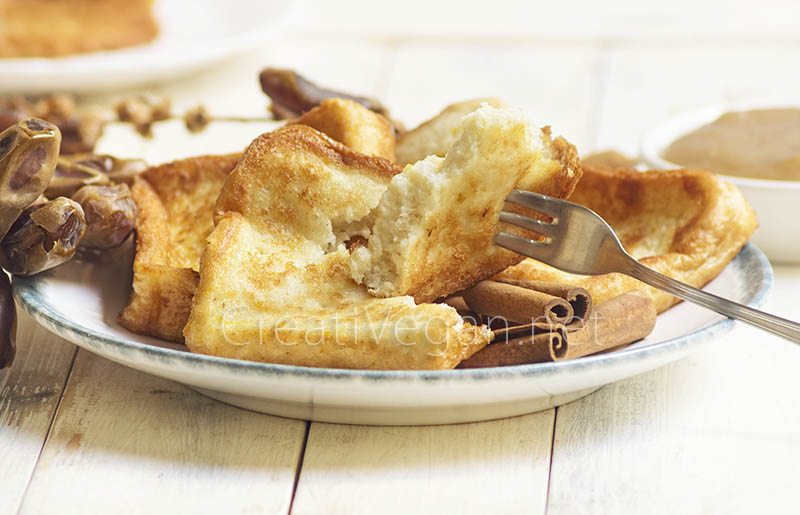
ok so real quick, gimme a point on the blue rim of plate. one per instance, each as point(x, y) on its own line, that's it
point(30, 299)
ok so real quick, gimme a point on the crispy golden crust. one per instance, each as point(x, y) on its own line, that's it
point(568, 169)
point(46, 28)
point(353, 125)
point(175, 205)
point(274, 281)
point(293, 144)
point(683, 223)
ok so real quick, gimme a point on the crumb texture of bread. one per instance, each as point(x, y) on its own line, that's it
point(175, 204)
point(685, 224)
point(434, 227)
point(435, 136)
point(47, 28)
point(353, 125)
point(275, 283)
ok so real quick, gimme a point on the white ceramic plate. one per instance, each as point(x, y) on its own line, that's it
point(80, 302)
point(192, 35)
point(775, 202)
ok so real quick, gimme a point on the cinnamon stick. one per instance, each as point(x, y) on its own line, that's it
point(579, 298)
point(519, 331)
point(619, 321)
point(516, 303)
point(546, 346)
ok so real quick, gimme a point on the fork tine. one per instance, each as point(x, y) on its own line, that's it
point(520, 245)
point(531, 224)
point(536, 201)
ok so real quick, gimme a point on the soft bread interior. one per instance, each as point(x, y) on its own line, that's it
point(435, 136)
point(434, 226)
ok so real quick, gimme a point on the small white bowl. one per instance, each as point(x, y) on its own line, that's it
point(777, 203)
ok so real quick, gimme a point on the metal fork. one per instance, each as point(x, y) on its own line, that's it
point(580, 242)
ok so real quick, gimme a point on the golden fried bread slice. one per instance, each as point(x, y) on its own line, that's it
point(435, 136)
point(274, 278)
point(353, 125)
point(434, 227)
point(47, 28)
point(683, 223)
point(175, 205)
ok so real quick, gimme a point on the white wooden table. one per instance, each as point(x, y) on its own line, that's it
point(718, 432)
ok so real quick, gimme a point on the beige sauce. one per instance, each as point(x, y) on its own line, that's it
point(762, 144)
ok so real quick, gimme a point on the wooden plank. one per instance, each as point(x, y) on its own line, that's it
point(488, 467)
point(127, 442)
point(714, 433)
point(29, 393)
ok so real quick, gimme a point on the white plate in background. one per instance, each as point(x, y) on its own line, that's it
point(80, 302)
point(192, 35)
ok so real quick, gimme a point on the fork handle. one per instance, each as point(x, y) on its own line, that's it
point(771, 323)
